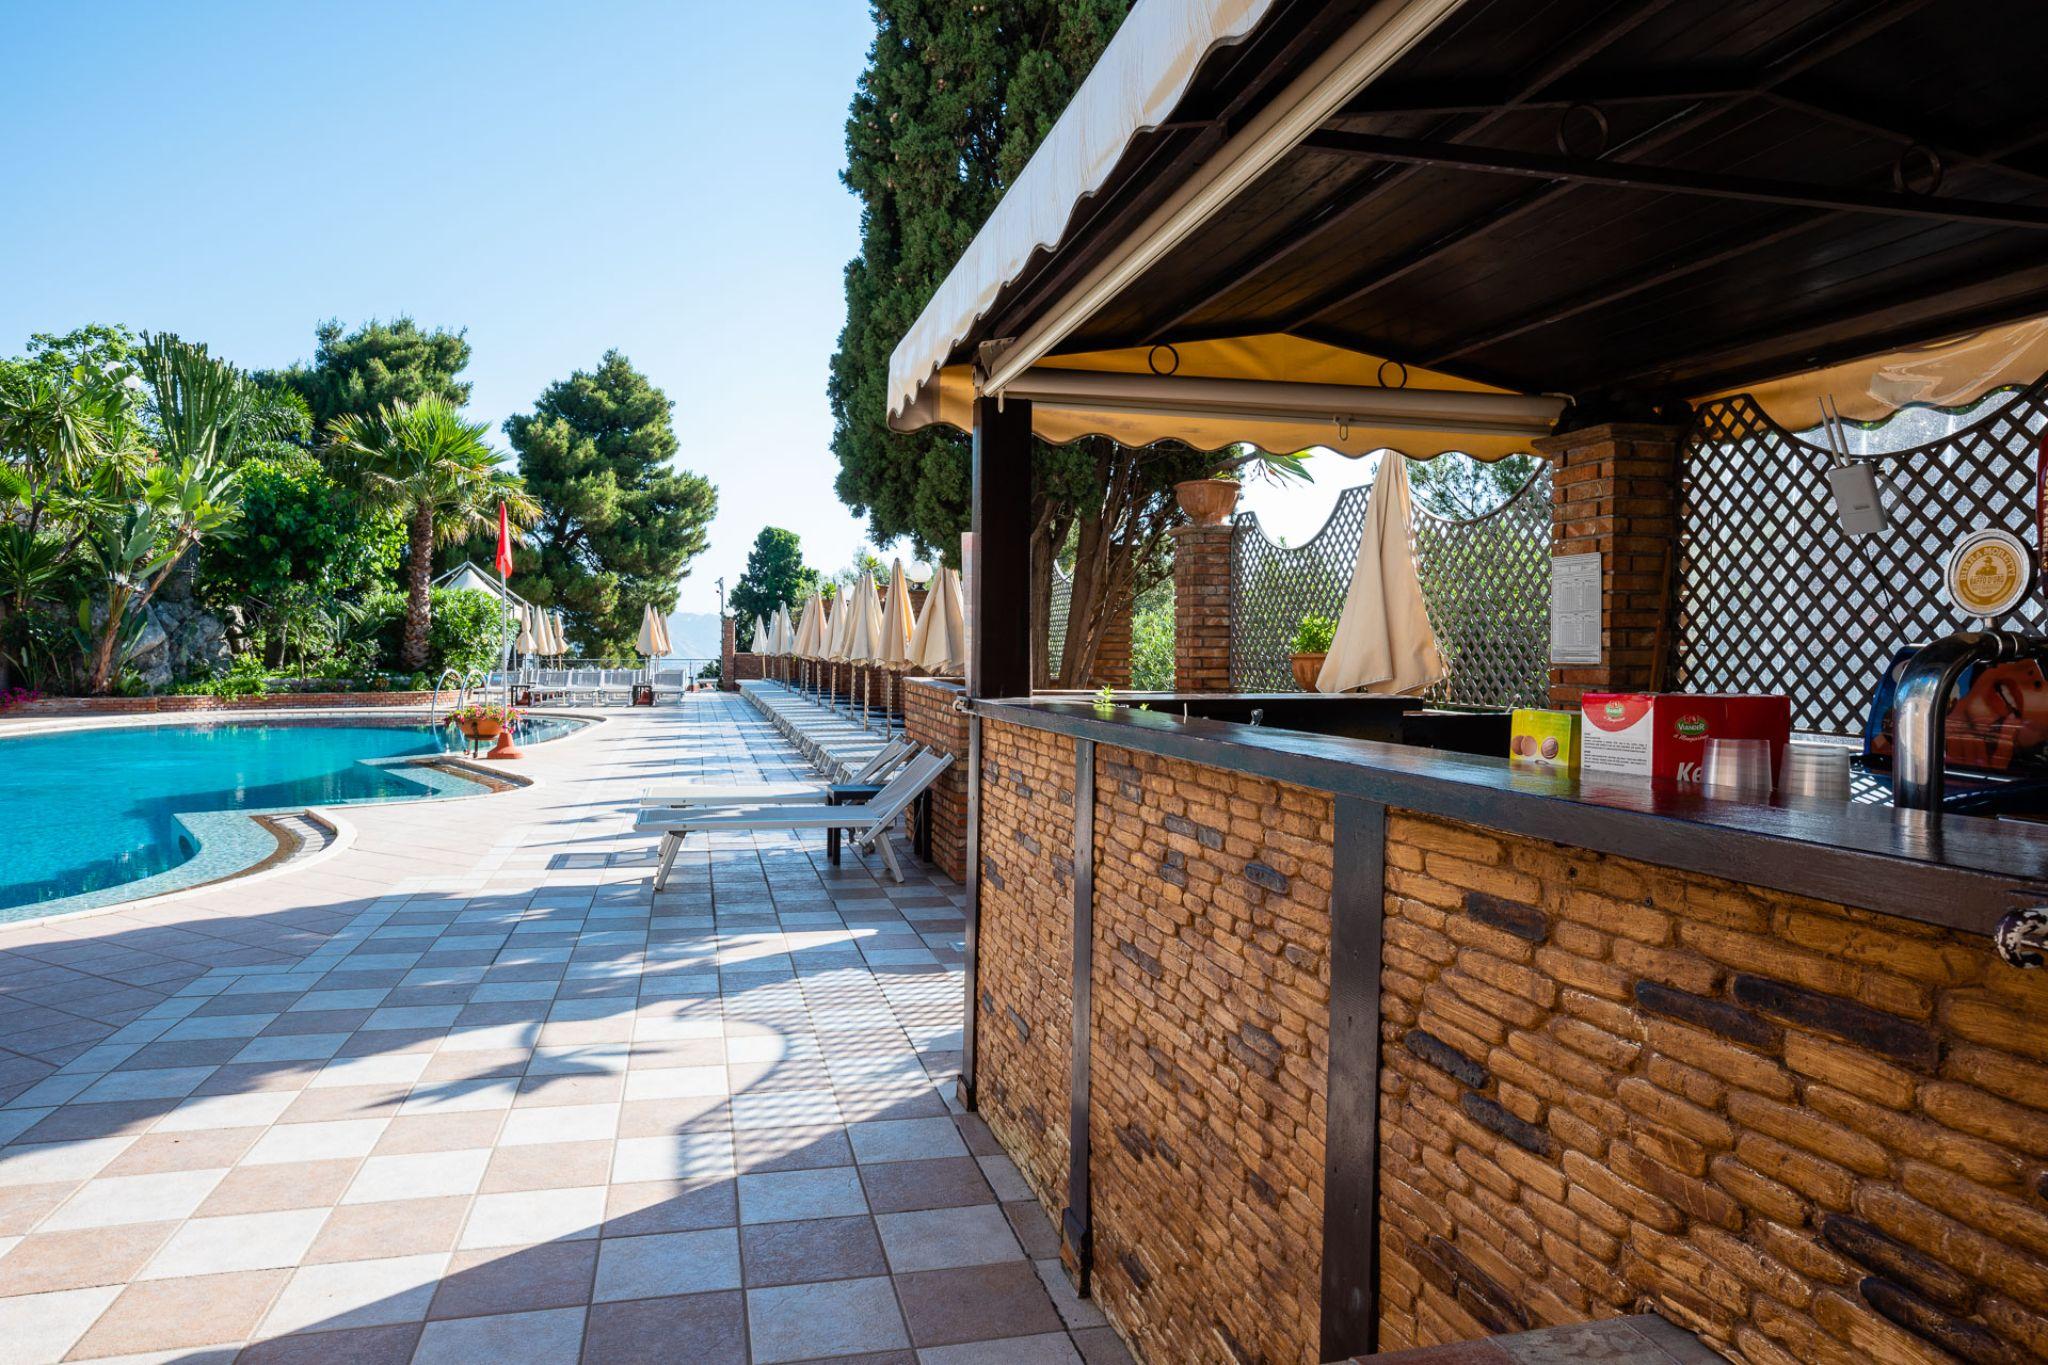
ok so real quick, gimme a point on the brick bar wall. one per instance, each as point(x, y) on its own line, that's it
point(929, 719)
point(1209, 1059)
point(728, 646)
point(1201, 607)
point(743, 668)
point(1814, 1136)
point(276, 701)
point(1615, 491)
point(1024, 1019)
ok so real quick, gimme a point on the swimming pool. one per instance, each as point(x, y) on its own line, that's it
point(91, 815)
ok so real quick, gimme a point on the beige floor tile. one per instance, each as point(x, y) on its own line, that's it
point(80, 1259)
point(287, 1185)
point(169, 1315)
point(405, 1227)
point(198, 1150)
point(326, 1141)
point(548, 1166)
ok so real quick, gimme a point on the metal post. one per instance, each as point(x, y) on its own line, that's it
point(999, 644)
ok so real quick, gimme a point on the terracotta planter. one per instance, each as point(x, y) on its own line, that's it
point(1208, 502)
point(1306, 667)
point(478, 729)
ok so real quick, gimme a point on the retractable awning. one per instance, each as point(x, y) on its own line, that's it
point(1624, 204)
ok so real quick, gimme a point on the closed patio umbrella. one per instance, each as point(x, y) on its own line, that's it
point(860, 634)
point(661, 631)
point(561, 632)
point(1384, 643)
point(759, 639)
point(939, 644)
point(896, 620)
point(525, 643)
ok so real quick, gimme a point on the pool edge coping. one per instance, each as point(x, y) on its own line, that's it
point(344, 830)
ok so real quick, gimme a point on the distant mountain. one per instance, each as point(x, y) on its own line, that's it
point(694, 634)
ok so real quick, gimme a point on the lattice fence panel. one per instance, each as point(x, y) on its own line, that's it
point(1486, 583)
point(1062, 608)
point(1773, 597)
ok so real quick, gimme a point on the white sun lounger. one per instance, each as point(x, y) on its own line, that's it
point(868, 824)
point(795, 793)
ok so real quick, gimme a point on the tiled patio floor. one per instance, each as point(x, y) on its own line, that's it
point(467, 1090)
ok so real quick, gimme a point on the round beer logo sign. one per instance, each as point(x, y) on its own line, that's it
point(1691, 727)
point(1989, 573)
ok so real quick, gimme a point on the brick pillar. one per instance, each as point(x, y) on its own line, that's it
point(1113, 651)
point(728, 645)
point(1615, 491)
point(929, 719)
point(1201, 608)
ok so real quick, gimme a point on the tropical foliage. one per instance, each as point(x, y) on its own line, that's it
point(424, 462)
point(170, 521)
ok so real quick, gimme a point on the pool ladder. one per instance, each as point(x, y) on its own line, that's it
point(465, 683)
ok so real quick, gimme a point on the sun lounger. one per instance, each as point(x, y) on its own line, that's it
point(868, 824)
point(794, 793)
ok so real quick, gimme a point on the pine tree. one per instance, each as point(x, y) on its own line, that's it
point(621, 525)
point(775, 577)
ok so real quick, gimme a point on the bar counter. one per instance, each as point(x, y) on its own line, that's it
point(1310, 1046)
point(1962, 872)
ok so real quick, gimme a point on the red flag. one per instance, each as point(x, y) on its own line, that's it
point(504, 543)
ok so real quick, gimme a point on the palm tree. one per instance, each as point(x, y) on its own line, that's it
point(424, 460)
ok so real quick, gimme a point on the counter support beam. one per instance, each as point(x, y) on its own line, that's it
point(1350, 1312)
point(1076, 1241)
point(999, 585)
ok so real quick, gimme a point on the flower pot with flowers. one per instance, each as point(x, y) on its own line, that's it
point(484, 719)
point(1312, 639)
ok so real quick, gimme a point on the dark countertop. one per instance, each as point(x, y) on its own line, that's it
point(1964, 872)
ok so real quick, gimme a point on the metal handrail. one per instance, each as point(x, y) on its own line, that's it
point(465, 684)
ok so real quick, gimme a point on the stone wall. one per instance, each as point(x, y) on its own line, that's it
point(929, 719)
point(1210, 995)
point(1210, 1059)
point(1024, 985)
point(1810, 1134)
point(274, 701)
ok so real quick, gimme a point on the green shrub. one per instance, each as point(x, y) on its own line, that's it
point(464, 631)
point(467, 630)
point(1315, 634)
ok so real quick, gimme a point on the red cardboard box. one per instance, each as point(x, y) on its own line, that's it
point(1664, 734)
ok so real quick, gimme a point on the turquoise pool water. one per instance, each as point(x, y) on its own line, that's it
point(90, 811)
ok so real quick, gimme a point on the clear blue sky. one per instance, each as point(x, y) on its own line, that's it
point(557, 178)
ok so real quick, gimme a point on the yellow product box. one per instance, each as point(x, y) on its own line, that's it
point(1544, 739)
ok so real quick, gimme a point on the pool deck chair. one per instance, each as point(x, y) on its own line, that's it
point(801, 792)
point(868, 824)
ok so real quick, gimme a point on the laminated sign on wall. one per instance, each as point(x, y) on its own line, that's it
point(1575, 609)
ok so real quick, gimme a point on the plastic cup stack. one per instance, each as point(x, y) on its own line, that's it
point(1738, 769)
point(1816, 771)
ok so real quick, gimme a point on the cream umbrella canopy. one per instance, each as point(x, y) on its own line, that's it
point(661, 634)
point(896, 620)
point(759, 639)
point(860, 635)
point(561, 632)
point(525, 643)
point(648, 644)
point(939, 644)
point(1384, 643)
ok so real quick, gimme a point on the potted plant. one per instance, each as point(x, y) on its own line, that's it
point(1210, 501)
point(1311, 646)
point(483, 720)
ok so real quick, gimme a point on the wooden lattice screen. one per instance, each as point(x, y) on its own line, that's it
point(1773, 597)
